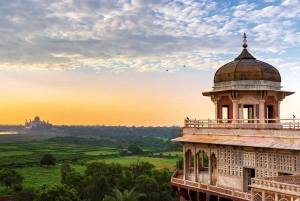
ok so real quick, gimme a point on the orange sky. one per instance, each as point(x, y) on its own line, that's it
point(89, 98)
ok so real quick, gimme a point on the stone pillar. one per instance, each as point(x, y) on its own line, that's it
point(261, 111)
point(276, 196)
point(207, 197)
point(216, 109)
point(209, 170)
point(252, 194)
point(278, 110)
point(235, 110)
point(195, 165)
point(184, 165)
point(263, 197)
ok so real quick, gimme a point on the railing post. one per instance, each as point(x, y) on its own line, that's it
point(294, 123)
point(208, 122)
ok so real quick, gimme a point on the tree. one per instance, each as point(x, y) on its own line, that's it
point(125, 181)
point(64, 169)
point(134, 149)
point(179, 163)
point(27, 194)
point(48, 159)
point(117, 195)
point(9, 178)
point(148, 186)
point(75, 180)
point(111, 171)
point(58, 193)
point(140, 167)
point(98, 187)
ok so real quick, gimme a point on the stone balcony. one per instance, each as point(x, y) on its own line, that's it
point(283, 184)
point(278, 124)
point(203, 184)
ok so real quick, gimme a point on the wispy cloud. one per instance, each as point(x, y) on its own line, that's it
point(122, 35)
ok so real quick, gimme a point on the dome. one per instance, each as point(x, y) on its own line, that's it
point(37, 118)
point(246, 67)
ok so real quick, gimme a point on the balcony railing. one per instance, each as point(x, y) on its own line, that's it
point(286, 184)
point(293, 124)
point(177, 178)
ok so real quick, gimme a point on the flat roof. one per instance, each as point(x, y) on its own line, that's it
point(244, 143)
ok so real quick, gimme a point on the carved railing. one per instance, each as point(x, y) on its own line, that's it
point(244, 123)
point(279, 184)
point(289, 178)
point(211, 188)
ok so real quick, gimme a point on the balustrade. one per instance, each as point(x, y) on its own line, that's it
point(293, 124)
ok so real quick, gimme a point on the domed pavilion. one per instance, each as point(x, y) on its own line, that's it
point(247, 152)
point(247, 89)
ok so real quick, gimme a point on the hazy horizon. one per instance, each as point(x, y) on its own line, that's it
point(105, 62)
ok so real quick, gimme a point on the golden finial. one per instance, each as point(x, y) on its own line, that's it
point(245, 41)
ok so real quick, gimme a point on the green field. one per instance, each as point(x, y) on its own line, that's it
point(24, 156)
point(157, 162)
point(103, 152)
point(14, 153)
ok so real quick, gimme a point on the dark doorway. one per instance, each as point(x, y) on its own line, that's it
point(248, 174)
point(213, 198)
point(270, 113)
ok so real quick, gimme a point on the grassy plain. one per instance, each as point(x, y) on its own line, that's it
point(18, 150)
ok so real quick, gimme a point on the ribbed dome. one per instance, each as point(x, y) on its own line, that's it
point(246, 67)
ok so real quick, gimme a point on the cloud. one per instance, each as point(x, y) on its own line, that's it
point(121, 35)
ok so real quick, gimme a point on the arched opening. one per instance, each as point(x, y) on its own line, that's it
point(202, 166)
point(189, 164)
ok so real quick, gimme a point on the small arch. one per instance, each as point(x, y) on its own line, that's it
point(270, 198)
point(283, 199)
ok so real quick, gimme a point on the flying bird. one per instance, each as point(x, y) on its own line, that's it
point(184, 66)
point(294, 116)
point(167, 70)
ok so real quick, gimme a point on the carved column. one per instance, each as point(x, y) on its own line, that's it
point(209, 170)
point(263, 197)
point(184, 165)
point(195, 165)
point(252, 194)
point(278, 110)
point(235, 110)
point(276, 196)
point(207, 197)
point(216, 109)
point(261, 111)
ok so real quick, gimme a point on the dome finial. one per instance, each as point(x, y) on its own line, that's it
point(245, 41)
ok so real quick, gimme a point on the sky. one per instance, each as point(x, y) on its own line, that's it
point(121, 62)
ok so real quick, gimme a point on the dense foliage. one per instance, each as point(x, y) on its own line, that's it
point(11, 179)
point(58, 193)
point(121, 136)
point(48, 159)
point(116, 182)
